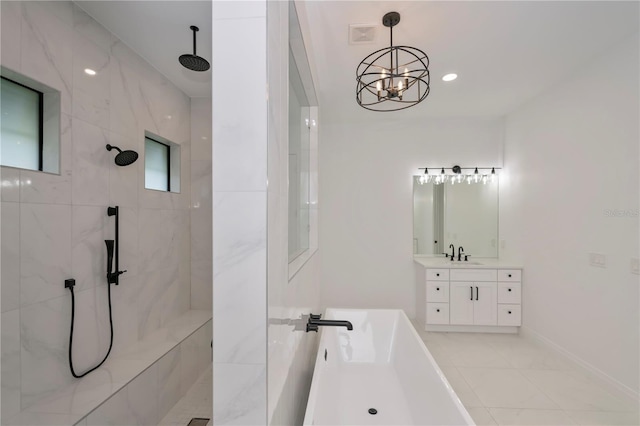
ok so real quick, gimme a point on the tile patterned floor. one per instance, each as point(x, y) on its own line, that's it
point(197, 402)
point(512, 380)
point(501, 380)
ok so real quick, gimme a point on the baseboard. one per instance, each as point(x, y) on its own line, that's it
point(527, 332)
point(471, 328)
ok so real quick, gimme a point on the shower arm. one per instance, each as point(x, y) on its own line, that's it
point(114, 277)
point(194, 40)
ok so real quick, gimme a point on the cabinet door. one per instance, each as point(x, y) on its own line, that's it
point(460, 302)
point(485, 308)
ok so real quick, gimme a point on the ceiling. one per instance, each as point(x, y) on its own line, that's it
point(503, 52)
point(159, 32)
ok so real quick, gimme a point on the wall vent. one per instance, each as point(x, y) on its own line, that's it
point(362, 33)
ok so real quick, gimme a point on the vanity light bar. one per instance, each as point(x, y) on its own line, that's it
point(455, 175)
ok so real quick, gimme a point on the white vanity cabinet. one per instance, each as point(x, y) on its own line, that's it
point(473, 303)
point(469, 299)
point(474, 297)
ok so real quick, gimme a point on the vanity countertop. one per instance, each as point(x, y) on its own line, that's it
point(474, 263)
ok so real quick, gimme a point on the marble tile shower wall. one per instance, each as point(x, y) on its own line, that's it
point(201, 205)
point(54, 226)
point(240, 214)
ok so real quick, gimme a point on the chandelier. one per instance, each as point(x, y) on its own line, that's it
point(393, 78)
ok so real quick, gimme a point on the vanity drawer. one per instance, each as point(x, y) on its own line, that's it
point(437, 313)
point(437, 275)
point(509, 315)
point(474, 275)
point(437, 291)
point(509, 293)
point(509, 275)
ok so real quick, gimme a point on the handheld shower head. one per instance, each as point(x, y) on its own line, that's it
point(124, 158)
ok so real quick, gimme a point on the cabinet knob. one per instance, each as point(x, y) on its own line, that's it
point(509, 289)
point(509, 275)
point(438, 310)
point(509, 312)
point(437, 288)
point(437, 275)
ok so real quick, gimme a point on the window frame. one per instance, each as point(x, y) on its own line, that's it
point(40, 123)
point(168, 148)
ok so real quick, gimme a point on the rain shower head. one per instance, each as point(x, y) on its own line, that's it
point(124, 158)
point(194, 62)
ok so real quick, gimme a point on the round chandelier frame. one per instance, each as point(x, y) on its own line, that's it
point(392, 78)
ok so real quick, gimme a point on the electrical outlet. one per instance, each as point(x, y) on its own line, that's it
point(635, 265)
point(598, 260)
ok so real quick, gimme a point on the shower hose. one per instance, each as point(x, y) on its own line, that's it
point(70, 285)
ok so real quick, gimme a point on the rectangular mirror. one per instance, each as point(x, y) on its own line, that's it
point(460, 214)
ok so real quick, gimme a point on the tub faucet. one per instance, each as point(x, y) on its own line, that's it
point(315, 322)
point(460, 251)
point(453, 251)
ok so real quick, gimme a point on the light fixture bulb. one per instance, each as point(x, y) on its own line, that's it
point(89, 71)
point(449, 77)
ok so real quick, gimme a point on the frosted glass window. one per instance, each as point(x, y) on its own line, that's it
point(21, 130)
point(156, 165)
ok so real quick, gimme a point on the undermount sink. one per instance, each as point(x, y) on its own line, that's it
point(462, 263)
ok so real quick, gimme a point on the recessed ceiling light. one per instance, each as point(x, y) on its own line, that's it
point(450, 77)
point(89, 71)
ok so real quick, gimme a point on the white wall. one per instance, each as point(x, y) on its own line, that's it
point(291, 350)
point(571, 155)
point(366, 219)
point(54, 226)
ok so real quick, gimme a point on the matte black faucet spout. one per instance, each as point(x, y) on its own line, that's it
point(453, 251)
point(460, 252)
point(315, 322)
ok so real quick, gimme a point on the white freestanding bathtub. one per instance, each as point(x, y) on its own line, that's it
point(381, 366)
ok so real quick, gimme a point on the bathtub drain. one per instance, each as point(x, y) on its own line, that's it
point(373, 411)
